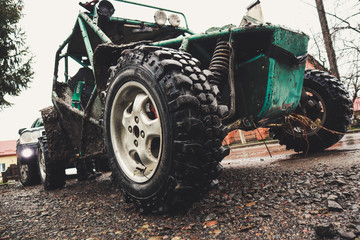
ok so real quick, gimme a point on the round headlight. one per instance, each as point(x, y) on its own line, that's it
point(27, 152)
point(106, 9)
point(26, 137)
point(174, 20)
point(160, 17)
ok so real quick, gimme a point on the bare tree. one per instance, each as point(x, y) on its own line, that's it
point(327, 39)
point(352, 78)
point(343, 19)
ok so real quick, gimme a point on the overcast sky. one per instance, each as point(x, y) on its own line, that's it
point(48, 23)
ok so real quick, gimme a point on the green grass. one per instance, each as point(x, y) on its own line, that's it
point(354, 128)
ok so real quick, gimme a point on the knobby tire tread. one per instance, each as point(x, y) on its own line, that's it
point(197, 128)
point(339, 113)
point(55, 145)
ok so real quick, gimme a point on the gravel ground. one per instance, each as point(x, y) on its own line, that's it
point(249, 203)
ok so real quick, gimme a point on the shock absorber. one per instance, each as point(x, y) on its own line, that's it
point(219, 64)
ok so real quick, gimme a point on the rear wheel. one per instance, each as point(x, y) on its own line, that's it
point(162, 129)
point(327, 104)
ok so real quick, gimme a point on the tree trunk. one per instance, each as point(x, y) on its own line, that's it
point(327, 39)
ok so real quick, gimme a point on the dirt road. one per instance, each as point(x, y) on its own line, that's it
point(288, 196)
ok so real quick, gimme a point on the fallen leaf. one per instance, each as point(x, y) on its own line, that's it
point(217, 232)
point(168, 227)
point(245, 228)
point(155, 238)
point(210, 223)
point(140, 230)
point(146, 226)
point(250, 204)
point(188, 227)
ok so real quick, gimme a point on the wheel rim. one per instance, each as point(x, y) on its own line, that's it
point(24, 171)
point(317, 118)
point(136, 132)
point(42, 166)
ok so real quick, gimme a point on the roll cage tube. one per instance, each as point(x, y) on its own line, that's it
point(153, 7)
point(91, 6)
point(84, 18)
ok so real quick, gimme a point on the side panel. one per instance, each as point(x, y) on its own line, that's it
point(284, 82)
point(265, 88)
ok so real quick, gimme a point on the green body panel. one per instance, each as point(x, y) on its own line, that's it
point(264, 87)
point(284, 83)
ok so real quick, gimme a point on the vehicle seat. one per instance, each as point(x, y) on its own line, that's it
point(86, 76)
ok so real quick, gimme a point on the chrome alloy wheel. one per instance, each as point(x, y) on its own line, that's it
point(135, 128)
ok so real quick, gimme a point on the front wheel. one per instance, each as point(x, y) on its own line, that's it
point(51, 175)
point(162, 129)
point(53, 151)
point(328, 110)
point(28, 174)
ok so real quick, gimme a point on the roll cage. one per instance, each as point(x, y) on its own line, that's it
point(93, 28)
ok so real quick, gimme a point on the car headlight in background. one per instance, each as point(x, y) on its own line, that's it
point(160, 17)
point(174, 20)
point(27, 152)
point(28, 137)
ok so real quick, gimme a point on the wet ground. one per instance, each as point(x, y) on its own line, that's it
point(345, 152)
point(287, 196)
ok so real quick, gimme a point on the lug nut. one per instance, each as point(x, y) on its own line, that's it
point(142, 134)
point(130, 129)
point(136, 119)
point(136, 143)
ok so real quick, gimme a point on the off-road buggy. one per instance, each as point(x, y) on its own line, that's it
point(156, 100)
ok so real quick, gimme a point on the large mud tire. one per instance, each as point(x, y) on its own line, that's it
point(329, 105)
point(28, 174)
point(54, 148)
point(162, 129)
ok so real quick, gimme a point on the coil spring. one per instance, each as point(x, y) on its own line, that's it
point(219, 64)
